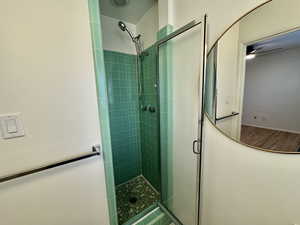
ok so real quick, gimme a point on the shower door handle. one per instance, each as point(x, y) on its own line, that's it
point(195, 147)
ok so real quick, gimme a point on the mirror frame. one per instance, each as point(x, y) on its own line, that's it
point(205, 113)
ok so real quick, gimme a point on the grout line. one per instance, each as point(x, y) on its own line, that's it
point(154, 189)
point(126, 182)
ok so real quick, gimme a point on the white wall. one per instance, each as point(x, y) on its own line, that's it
point(247, 186)
point(46, 70)
point(148, 26)
point(229, 10)
point(275, 79)
point(165, 13)
point(73, 194)
point(287, 18)
point(114, 39)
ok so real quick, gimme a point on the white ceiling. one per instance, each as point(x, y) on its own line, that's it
point(131, 13)
point(282, 42)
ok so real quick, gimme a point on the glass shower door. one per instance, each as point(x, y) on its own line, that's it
point(179, 75)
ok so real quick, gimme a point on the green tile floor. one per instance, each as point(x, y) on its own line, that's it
point(134, 197)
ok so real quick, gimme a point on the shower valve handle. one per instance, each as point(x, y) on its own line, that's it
point(151, 109)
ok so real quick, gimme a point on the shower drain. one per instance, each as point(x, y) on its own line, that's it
point(133, 199)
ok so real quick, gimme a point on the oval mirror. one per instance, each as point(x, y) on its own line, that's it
point(252, 86)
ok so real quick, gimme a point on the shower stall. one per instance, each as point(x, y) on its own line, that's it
point(139, 73)
point(134, 127)
point(134, 123)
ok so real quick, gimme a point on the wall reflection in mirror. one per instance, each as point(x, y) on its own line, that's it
point(253, 79)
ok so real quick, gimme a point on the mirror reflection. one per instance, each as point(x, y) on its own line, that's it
point(253, 79)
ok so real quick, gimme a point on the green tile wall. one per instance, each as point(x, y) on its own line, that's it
point(134, 133)
point(150, 121)
point(122, 85)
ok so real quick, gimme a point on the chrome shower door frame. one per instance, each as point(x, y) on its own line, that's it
point(201, 83)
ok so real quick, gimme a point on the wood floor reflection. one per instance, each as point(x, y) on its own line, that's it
point(270, 139)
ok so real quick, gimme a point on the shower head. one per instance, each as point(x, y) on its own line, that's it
point(135, 38)
point(122, 26)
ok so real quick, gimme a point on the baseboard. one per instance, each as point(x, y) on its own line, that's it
point(272, 128)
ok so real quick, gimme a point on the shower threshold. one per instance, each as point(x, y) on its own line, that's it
point(133, 197)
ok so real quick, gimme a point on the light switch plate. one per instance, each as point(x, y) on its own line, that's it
point(11, 126)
